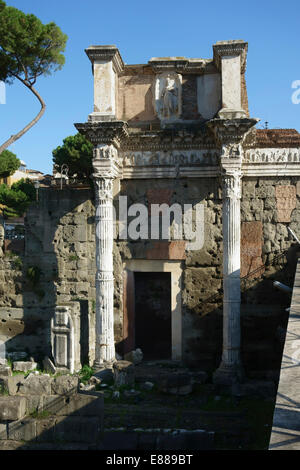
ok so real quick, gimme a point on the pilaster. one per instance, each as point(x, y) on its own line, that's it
point(230, 58)
point(107, 63)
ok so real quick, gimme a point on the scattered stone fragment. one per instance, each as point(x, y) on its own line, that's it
point(123, 373)
point(87, 387)
point(176, 384)
point(24, 366)
point(147, 386)
point(94, 380)
point(135, 356)
point(5, 371)
point(49, 366)
point(131, 393)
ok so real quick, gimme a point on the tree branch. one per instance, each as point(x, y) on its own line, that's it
point(17, 136)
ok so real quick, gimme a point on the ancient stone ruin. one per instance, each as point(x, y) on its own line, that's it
point(175, 248)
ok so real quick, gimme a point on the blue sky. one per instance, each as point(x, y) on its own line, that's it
point(142, 30)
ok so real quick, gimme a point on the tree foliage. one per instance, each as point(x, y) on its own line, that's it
point(28, 49)
point(17, 198)
point(9, 163)
point(77, 153)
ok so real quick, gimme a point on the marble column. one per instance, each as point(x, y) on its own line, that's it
point(229, 134)
point(230, 369)
point(106, 138)
point(104, 342)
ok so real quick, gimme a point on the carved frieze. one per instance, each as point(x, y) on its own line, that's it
point(169, 139)
point(170, 158)
point(272, 155)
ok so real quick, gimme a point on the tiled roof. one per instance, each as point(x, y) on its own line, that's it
point(277, 138)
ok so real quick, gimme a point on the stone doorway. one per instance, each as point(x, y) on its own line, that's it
point(152, 317)
point(153, 314)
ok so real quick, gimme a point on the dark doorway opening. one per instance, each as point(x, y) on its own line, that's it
point(153, 314)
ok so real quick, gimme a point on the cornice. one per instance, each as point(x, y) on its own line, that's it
point(106, 53)
point(104, 132)
point(181, 65)
point(236, 47)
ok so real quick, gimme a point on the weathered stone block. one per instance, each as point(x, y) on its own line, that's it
point(24, 366)
point(12, 408)
point(82, 405)
point(77, 429)
point(23, 430)
point(45, 429)
point(65, 384)
point(3, 431)
point(31, 385)
point(34, 403)
point(5, 371)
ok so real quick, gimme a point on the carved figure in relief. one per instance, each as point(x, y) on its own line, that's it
point(169, 98)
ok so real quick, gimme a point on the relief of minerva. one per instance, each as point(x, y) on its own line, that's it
point(169, 98)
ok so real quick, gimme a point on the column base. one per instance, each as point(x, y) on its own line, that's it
point(228, 374)
point(97, 365)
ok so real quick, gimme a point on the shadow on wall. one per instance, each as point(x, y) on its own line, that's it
point(56, 269)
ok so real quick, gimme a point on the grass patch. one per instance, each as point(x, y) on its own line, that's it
point(3, 390)
point(86, 373)
point(40, 414)
point(74, 258)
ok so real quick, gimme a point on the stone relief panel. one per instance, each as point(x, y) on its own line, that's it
point(285, 202)
point(171, 158)
point(272, 155)
point(168, 96)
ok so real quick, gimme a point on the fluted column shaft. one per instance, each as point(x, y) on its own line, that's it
point(230, 370)
point(104, 345)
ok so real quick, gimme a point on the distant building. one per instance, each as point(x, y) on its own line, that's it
point(22, 172)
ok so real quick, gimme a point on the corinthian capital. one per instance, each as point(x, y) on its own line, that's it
point(104, 188)
point(231, 182)
point(231, 131)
